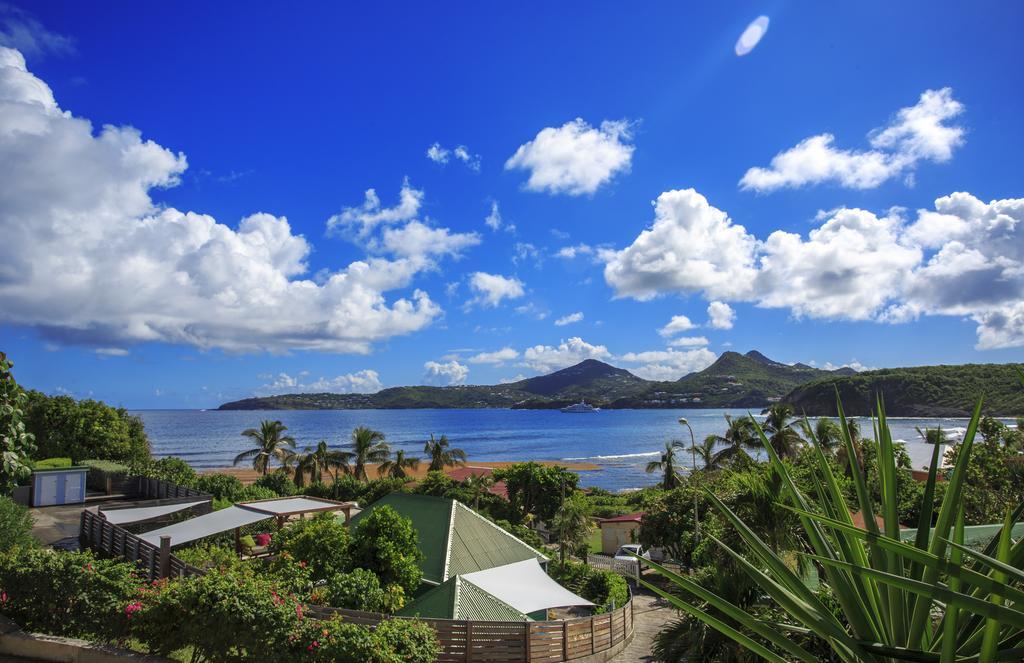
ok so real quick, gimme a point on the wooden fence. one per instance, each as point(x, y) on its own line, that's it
point(513, 642)
point(110, 540)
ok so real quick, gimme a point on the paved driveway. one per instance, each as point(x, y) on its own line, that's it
point(650, 614)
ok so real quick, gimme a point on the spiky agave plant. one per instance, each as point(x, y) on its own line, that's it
point(932, 600)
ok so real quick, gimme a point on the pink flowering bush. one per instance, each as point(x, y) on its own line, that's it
point(393, 641)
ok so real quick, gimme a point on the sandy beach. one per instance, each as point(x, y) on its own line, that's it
point(248, 475)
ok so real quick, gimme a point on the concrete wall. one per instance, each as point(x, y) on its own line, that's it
point(614, 535)
point(37, 647)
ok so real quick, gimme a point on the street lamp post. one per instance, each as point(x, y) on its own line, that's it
point(693, 452)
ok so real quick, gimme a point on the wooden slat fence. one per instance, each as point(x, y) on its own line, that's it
point(158, 489)
point(513, 642)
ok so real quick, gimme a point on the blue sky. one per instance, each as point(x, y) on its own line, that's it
point(848, 192)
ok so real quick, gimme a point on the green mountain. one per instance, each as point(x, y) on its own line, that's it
point(921, 391)
point(734, 380)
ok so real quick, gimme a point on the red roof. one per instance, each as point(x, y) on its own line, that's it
point(627, 518)
point(460, 474)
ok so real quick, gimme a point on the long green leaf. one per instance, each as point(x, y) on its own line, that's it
point(717, 624)
point(950, 505)
point(990, 643)
point(936, 592)
point(737, 614)
point(949, 622)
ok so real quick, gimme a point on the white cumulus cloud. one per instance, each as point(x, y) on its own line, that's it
point(667, 364)
point(570, 252)
point(444, 374)
point(720, 315)
point(688, 342)
point(575, 158)
point(569, 319)
point(361, 382)
point(917, 133)
point(442, 155)
point(678, 324)
point(491, 289)
point(497, 357)
point(91, 259)
point(547, 358)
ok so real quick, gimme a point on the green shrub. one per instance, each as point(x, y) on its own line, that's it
point(223, 616)
point(279, 482)
point(51, 463)
point(16, 441)
point(221, 486)
point(208, 555)
point(254, 493)
point(604, 588)
point(321, 543)
point(361, 590)
point(386, 543)
point(170, 469)
point(68, 593)
point(101, 470)
point(393, 641)
point(15, 525)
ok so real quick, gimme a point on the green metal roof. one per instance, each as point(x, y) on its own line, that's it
point(457, 598)
point(478, 544)
point(454, 539)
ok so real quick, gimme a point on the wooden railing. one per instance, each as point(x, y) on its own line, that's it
point(110, 540)
point(465, 641)
point(158, 489)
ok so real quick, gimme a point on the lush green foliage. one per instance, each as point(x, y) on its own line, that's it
point(995, 474)
point(360, 589)
point(15, 525)
point(221, 486)
point(171, 469)
point(84, 429)
point(320, 542)
point(881, 599)
point(270, 443)
point(393, 641)
point(366, 446)
point(16, 440)
point(442, 454)
point(100, 470)
point(666, 465)
point(608, 590)
point(386, 543)
point(572, 526)
point(535, 490)
point(279, 482)
point(51, 463)
point(920, 391)
point(67, 593)
point(223, 616)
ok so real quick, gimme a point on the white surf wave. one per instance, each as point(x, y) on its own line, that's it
point(618, 456)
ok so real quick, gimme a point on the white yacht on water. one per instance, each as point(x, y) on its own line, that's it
point(580, 408)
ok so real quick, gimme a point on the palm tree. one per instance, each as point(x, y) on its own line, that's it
point(324, 459)
point(842, 457)
point(270, 443)
point(477, 485)
point(571, 524)
point(367, 446)
point(739, 436)
point(826, 431)
point(931, 435)
point(396, 467)
point(777, 425)
point(667, 465)
point(302, 463)
point(441, 456)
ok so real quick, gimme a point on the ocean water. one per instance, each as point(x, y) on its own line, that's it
point(619, 442)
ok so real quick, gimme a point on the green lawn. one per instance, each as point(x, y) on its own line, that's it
point(595, 541)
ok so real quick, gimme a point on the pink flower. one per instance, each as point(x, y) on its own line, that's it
point(302, 564)
point(298, 610)
point(3, 596)
point(132, 608)
point(313, 645)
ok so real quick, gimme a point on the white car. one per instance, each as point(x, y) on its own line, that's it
point(625, 553)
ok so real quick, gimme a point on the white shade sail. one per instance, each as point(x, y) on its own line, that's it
point(207, 525)
point(137, 515)
point(524, 586)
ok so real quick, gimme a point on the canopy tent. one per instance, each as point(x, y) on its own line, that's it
point(454, 539)
point(208, 525)
point(457, 598)
point(240, 515)
point(975, 536)
point(139, 514)
point(525, 586)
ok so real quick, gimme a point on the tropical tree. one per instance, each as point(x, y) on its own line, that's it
point(738, 439)
point(271, 443)
point(825, 431)
point(301, 463)
point(476, 486)
point(780, 431)
point(931, 435)
point(396, 467)
point(667, 465)
point(442, 455)
point(367, 446)
point(571, 525)
point(929, 599)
